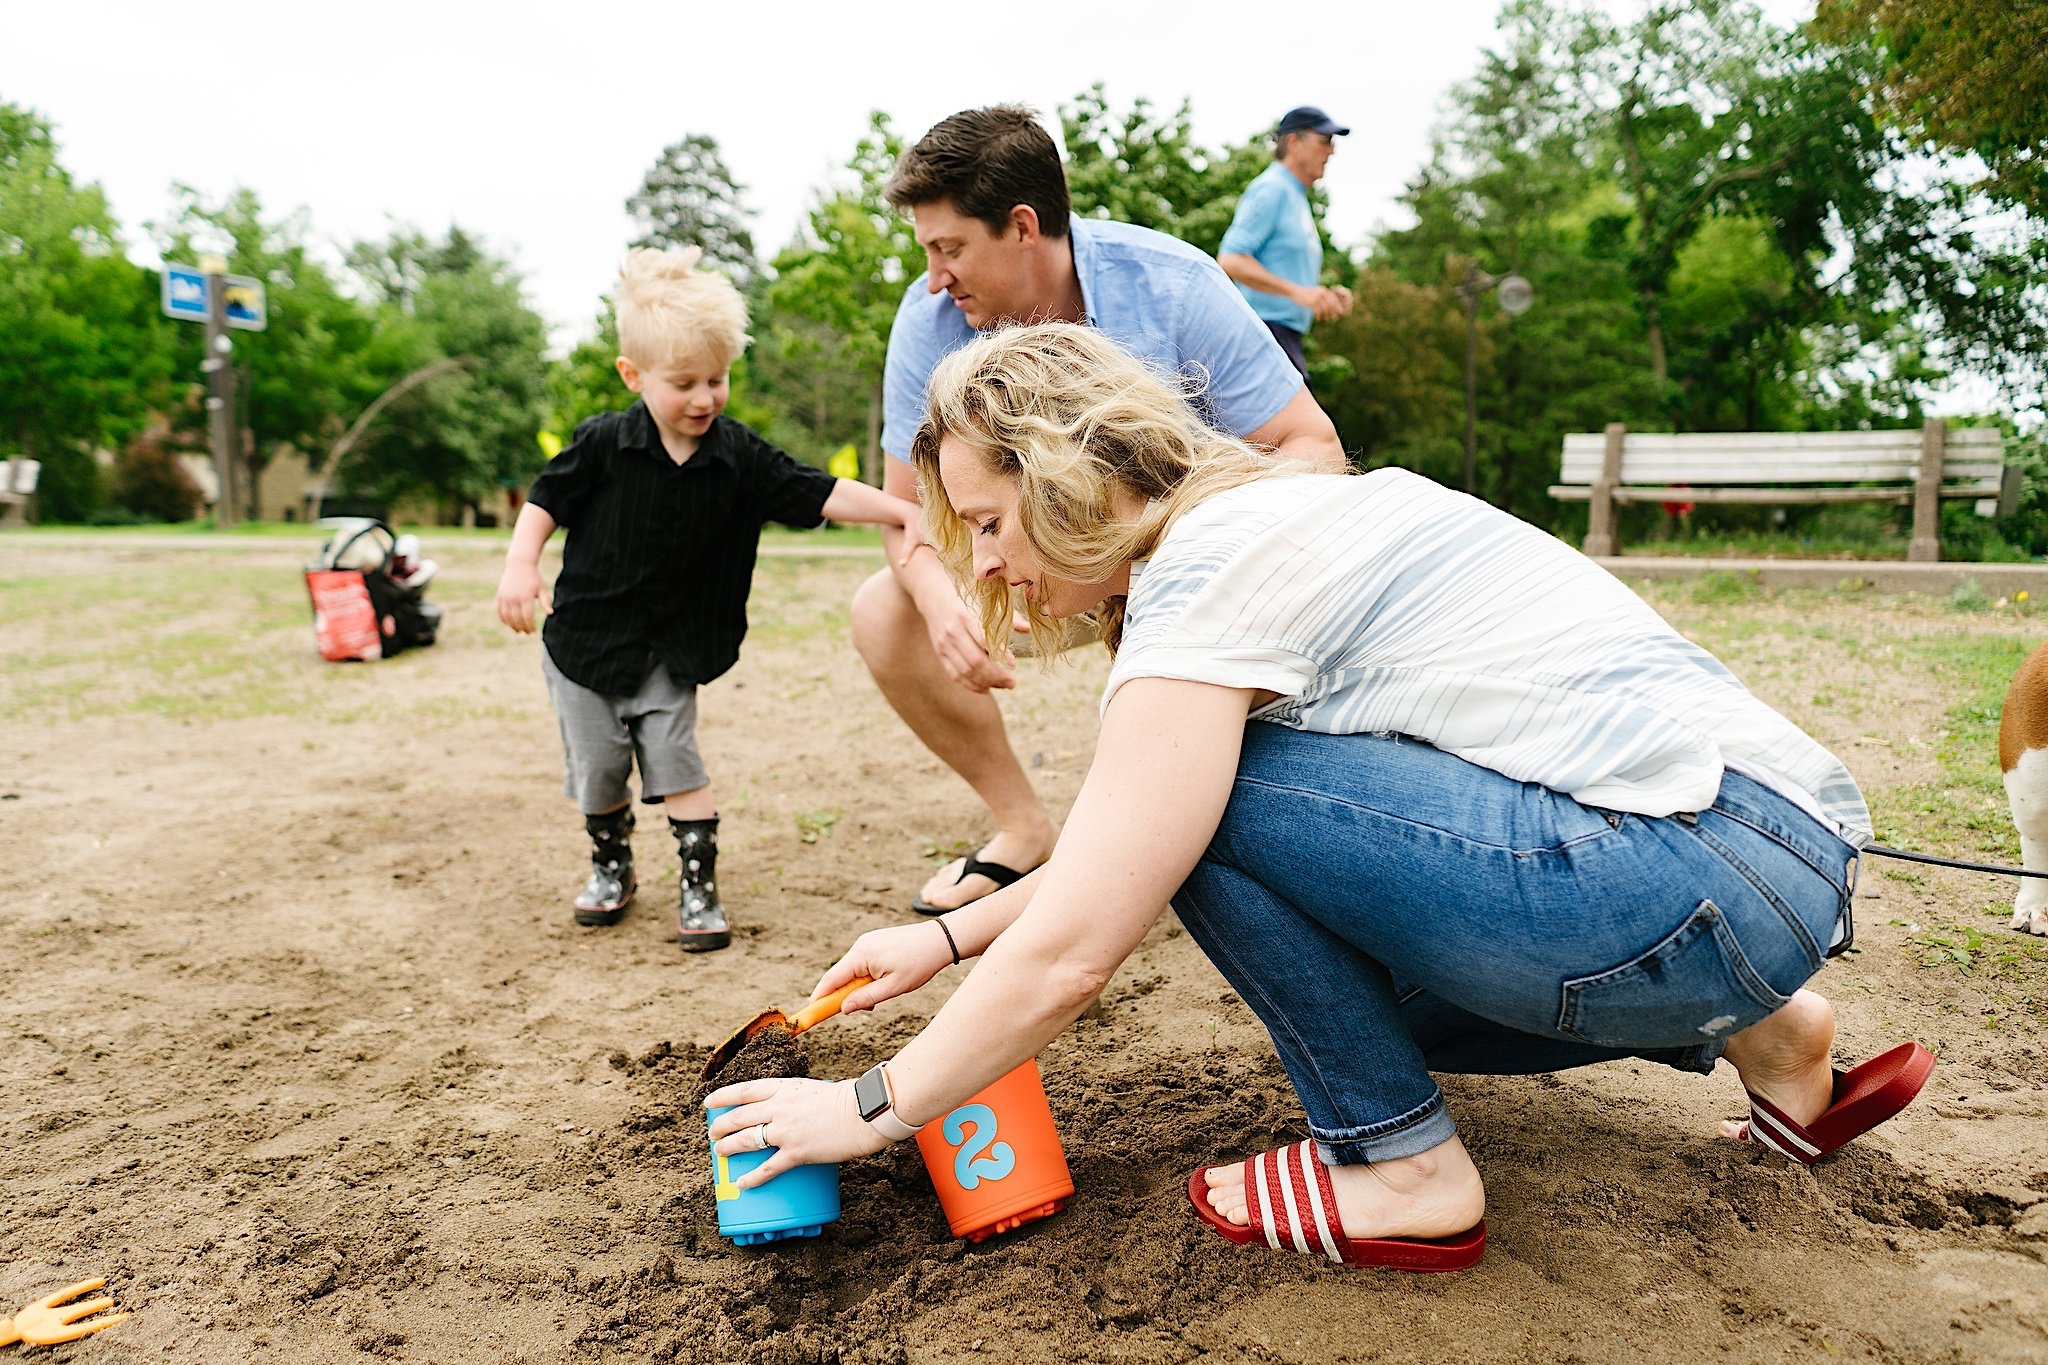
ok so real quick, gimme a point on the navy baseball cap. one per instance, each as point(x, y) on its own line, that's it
point(1309, 119)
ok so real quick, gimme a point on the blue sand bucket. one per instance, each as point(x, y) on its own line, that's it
point(797, 1203)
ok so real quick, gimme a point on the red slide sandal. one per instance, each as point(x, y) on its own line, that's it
point(1864, 1098)
point(1292, 1205)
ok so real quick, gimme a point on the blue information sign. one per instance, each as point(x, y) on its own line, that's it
point(184, 293)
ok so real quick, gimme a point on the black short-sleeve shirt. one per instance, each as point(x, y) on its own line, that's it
point(660, 556)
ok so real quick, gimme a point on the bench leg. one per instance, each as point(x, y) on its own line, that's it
point(1925, 547)
point(1603, 541)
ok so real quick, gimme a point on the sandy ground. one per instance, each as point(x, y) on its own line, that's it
point(303, 1053)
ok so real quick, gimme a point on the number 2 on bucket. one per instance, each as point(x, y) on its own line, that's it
point(970, 1167)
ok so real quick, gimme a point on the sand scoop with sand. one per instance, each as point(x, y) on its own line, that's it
point(810, 1016)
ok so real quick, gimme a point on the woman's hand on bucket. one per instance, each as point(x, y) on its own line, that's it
point(900, 959)
point(807, 1123)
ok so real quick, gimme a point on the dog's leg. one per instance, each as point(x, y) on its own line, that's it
point(2026, 786)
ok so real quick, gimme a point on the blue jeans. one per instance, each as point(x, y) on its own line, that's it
point(1389, 910)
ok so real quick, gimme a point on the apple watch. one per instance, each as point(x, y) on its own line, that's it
point(871, 1095)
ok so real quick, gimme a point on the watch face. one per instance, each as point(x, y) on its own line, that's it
point(871, 1093)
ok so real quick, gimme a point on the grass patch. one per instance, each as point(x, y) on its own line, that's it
point(811, 826)
point(1718, 587)
point(1996, 955)
point(187, 640)
point(1966, 809)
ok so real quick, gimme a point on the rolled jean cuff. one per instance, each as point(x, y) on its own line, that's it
point(1700, 1058)
point(1425, 1126)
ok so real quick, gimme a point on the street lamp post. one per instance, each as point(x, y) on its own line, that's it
point(220, 388)
point(1516, 294)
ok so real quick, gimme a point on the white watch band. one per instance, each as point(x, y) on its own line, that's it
point(889, 1126)
point(887, 1123)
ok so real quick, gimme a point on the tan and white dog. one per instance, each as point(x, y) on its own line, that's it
point(2023, 755)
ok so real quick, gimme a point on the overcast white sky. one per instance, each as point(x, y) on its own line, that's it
point(531, 123)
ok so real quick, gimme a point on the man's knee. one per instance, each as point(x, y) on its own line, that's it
point(882, 614)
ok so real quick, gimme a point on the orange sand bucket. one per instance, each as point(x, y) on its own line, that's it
point(996, 1161)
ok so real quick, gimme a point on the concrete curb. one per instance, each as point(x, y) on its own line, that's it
point(1834, 575)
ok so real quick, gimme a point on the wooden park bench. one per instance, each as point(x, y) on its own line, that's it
point(17, 490)
point(1771, 468)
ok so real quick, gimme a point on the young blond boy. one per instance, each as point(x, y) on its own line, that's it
point(664, 504)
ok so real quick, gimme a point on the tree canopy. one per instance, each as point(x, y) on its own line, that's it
point(1728, 223)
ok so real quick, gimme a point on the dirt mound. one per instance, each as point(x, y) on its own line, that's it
point(306, 1056)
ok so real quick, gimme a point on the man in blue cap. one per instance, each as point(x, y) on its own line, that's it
point(1272, 250)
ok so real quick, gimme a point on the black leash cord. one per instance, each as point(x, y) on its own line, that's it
point(1950, 862)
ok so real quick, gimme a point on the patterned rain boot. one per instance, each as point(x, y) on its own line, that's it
point(700, 919)
point(609, 891)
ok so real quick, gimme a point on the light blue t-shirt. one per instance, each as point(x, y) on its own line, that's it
point(1274, 227)
point(1154, 295)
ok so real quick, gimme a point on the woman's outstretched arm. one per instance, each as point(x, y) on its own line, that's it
point(1153, 797)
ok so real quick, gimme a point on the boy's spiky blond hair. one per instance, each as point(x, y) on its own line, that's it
point(671, 311)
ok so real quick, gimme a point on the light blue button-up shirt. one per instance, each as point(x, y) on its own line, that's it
point(1275, 227)
point(1154, 295)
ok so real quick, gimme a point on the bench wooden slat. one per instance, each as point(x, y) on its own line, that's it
point(1727, 467)
point(1753, 497)
point(1818, 440)
point(1787, 469)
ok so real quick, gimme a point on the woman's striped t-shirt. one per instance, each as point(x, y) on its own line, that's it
point(1385, 603)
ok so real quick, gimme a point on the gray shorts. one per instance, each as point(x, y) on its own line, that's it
point(602, 736)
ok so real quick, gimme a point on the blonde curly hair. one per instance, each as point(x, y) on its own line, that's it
point(670, 311)
point(1072, 418)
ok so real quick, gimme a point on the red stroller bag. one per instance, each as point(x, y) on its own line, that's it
point(366, 586)
point(344, 619)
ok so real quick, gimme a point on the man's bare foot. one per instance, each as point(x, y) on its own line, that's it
point(1022, 851)
point(1435, 1194)
point(1785, 1059)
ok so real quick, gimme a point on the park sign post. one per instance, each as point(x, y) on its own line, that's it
point(210, 295)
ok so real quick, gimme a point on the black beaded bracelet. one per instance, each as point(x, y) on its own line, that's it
point(949, 940)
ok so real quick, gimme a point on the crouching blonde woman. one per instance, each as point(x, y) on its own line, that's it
point(1432, 790)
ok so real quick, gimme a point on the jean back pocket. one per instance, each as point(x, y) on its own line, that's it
point(1692, 986)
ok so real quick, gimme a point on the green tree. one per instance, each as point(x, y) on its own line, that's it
point(463, 438)
point(1513, 187)
point(1719, 234)
point(839, 285)
point(1396, 397)
point(1706, 109)
point(1969, 75)
point(84, 352)
point(586, 381)
point(1137, 167)
point(689, 198)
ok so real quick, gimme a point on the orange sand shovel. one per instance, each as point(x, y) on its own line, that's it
point(43, 1323)
point(811, 1015)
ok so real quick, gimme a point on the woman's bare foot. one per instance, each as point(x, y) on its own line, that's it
point(1022, 851)
point(1785, 1059)
point(1435, 1194)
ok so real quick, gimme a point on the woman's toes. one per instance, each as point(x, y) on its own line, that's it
point(1226, 1193)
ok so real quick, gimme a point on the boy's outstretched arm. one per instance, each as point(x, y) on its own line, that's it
point(520, 584)
point(854, 501)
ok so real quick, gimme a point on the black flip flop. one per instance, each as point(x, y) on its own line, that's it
point(995, 872)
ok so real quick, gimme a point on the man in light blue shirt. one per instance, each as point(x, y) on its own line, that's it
point(989, 199)
point(1272, 249)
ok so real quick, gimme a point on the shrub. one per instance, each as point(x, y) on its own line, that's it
point(150, 481)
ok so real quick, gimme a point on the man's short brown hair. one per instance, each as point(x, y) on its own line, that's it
point(986, 162)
